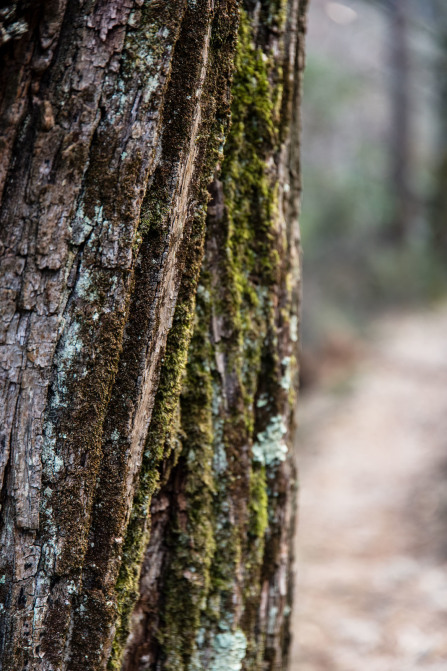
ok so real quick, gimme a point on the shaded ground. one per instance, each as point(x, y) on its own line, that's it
point(372, 543)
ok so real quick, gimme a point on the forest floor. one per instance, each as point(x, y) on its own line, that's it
point(371, 585)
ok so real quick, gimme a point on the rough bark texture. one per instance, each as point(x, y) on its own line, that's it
point(147, 489)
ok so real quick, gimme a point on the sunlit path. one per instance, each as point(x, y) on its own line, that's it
point(372, 544)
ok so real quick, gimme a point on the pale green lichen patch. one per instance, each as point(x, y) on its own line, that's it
point(270, 445)
point(229, 651)
point(286, 380)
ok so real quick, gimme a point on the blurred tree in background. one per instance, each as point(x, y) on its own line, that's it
point(375, 161)
point(438, 11)
point(400, 124)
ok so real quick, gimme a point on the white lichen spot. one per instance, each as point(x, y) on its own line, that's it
point(99, 209)
point(294, 328)
point(203, 293)
point(58, 463)
point(200, 637)
point(270, 446)
point(271, 624)
point(82, 226)
point(286, 379)
point(220, 462)
point(151, 86)
point(71, 345)
point(72, 587)
point(262, 401)
point(86, 285)
point(229, 651)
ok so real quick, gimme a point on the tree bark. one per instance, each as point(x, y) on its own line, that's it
point(149, 312)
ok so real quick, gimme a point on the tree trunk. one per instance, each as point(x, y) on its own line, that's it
point(403, 200)
point(438, 218)
point(148, 342)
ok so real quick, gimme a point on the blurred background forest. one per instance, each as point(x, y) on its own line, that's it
point(374, 163)
point(371, 586)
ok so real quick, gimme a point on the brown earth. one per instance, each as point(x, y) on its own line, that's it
point(372, 539)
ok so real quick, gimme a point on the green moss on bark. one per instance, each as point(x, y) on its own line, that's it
point(221, 539)
point(189, 582)
point(155, 449)
point(235, 348)
point(192, 536)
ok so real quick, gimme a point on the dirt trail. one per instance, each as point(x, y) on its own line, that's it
point(371, 592)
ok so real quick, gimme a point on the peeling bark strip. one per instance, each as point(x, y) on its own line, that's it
point(144, 526)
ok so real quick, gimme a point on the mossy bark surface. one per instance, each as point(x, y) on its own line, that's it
point(150, 289)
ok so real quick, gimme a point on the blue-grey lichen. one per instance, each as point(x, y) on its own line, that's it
point(229, 651)
point(270, 445)
point(286, 380)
